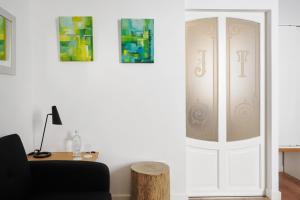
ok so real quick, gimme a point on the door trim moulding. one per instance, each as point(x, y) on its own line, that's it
point(271, 71)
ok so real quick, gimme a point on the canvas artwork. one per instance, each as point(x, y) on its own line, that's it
point(2, 38)
point(137, 40)
point(76, 38)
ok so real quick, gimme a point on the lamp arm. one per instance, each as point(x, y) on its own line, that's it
point(44, 132)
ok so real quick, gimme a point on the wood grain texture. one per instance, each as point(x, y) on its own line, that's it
point(150, 181)
point(64, 156)
point(289, 187)
point(289, 149)
point(232, 198)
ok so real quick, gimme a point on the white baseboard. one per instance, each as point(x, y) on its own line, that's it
point(127, 197)
point(120, 196)
point(273, 194)
point(179, 197)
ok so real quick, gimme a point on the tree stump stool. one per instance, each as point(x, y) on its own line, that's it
point(150, 181)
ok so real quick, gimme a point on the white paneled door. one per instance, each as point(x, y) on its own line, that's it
point(225, 65)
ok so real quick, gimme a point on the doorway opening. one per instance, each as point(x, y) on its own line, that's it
point(226, 97)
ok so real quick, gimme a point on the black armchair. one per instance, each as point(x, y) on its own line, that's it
point(48, 180)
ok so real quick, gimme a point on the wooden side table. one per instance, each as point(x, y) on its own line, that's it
point(150, 181)
point(65, 156)
point(287, 149)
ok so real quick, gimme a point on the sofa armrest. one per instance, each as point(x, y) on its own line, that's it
point(68, 176)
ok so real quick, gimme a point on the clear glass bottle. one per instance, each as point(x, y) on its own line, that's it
point(76, 144)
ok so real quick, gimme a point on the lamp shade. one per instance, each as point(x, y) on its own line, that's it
point(55, 116)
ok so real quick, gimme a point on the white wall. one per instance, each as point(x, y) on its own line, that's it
point(128, 112)
point(289, 12)
point(289, 109)
point(289, 126)
point(16, 92)
point(272, 60)
point(292, 163)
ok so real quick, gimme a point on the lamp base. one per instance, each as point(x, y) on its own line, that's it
point(36, 151)
point(41, 154)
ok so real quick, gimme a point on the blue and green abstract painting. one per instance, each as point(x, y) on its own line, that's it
point(2, 38)
point(76, 38)
point(137, 40)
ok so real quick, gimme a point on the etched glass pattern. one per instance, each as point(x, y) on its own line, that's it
point(202, 79)
point(243, 75)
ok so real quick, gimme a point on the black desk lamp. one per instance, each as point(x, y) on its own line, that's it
point(56, 121)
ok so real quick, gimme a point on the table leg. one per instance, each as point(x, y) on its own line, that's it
point(282, 161)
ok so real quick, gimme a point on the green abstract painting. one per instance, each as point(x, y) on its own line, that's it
point(137, 40)
point(76, 38)
point(2, 38)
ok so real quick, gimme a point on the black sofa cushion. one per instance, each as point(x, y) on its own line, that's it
point(67, 176)
point(72, 196)
point(49, 180)
point(15, 174)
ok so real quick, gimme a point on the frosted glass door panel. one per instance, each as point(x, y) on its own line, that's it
point(243, 75)
point(225, 115)
point(202, 79)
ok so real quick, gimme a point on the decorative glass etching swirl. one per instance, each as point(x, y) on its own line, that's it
point(243, 74)
point(198, 115)
point(202, 79)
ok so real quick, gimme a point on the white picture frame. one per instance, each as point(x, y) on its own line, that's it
point(9, 66)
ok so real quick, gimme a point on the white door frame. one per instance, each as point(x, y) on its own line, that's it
point(267, 87)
